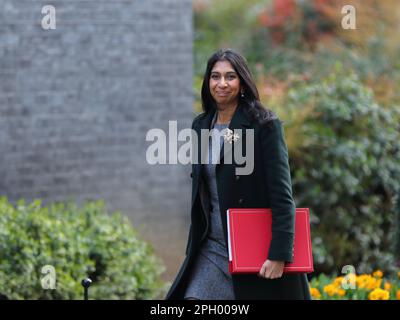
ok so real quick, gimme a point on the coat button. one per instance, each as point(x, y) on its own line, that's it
point(240, 200)
point(191, 174)
point(237, 178)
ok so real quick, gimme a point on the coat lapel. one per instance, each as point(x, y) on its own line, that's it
point(239, 121)
point(204, 123)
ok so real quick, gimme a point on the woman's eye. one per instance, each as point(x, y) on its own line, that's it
point(216, 77)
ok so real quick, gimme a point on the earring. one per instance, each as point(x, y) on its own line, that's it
point(242, 94)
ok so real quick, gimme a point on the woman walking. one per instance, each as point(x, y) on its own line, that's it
point(231, 101)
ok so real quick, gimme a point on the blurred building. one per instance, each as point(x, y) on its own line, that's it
point(77, 101)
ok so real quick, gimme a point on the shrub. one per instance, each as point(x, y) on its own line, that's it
point(78, 242)
point(347, 171)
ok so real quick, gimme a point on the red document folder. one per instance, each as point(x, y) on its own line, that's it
point(249, 237)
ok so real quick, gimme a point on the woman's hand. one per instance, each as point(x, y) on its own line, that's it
point(271, 269)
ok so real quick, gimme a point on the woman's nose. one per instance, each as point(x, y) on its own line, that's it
point(223, 82)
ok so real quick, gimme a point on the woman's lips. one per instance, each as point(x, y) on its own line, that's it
point(222, 93)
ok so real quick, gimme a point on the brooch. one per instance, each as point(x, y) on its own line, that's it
point(230, 137)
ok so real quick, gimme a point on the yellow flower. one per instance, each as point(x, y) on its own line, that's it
point(374, 284)
point(387, 286)
point(398, 274)
point(378, 274)
point(315, 293)
point(338, 282)
point(362, 280)
point(365, 281)
point(398, 295)
point(379, 294)
point(330, 289)
point(341, 292)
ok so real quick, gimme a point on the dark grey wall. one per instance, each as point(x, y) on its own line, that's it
point(76, 104)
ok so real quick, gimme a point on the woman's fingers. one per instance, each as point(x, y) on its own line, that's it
point(271, 270)
point(262, 271)
point(265, 271)
point(276, 275)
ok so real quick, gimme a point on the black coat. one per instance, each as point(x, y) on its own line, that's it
point(268, 186)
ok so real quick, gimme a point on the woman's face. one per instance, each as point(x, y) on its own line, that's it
point(224, 84)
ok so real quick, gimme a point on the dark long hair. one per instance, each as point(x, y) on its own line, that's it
point(251, 100)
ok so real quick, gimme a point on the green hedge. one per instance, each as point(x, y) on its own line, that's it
point(348, 171)
point(78, 242)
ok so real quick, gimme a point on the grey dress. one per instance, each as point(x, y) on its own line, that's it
point(210, 278)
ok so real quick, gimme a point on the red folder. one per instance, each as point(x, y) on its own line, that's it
point(249, 237)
